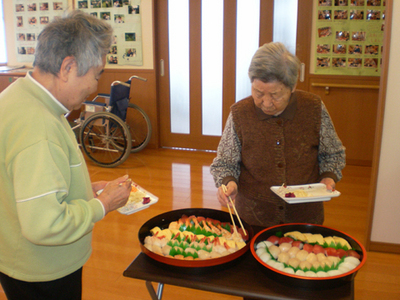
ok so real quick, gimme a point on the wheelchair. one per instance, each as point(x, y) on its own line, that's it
point(110, 128)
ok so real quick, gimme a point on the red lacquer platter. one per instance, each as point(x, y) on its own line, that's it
point(163, 221)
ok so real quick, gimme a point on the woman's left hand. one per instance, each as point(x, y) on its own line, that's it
point(329, 182)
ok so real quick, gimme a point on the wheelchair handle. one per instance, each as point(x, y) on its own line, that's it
point(137, 77)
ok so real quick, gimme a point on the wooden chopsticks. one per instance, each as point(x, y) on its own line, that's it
point(224, 189)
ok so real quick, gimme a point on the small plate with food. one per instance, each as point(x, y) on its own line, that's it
point(314, 192)
point(139, 199)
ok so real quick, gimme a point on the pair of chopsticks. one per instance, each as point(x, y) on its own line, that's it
point(224, 189)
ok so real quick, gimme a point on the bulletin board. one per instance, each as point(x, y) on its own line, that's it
point(349, 37)
point(30, 18)
point(125, 18)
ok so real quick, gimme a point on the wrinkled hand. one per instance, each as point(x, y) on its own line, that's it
point(98, 186)
point(330, 183)
point(231, 190)
point(116, 193)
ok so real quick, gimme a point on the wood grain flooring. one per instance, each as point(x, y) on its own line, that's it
point(181, 179)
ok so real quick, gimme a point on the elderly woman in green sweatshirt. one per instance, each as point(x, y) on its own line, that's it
point(47, 205)
point(277, 135)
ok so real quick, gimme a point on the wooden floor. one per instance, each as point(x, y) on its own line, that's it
point(181, 179)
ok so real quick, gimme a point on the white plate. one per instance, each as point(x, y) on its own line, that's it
point(316, 192)
point(131, 208)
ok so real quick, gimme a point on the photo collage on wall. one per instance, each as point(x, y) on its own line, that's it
point(349, 37)
point(125, 18)
point(30, 18)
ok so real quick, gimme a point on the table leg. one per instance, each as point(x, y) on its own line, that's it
point(152, 292)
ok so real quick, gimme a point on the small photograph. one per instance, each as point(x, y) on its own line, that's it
point(357, 2)
point(57, 6)
point(115, 39)
point(119, 19)
point(130, 36)
point(323, 49)
point(324, 2)
point(20, 21)
point(341, 14)
point(32, 7)
point(125, 2)
point(323, 62)
point(383, 14)
point(373, 14)
point(324, 32)
point(339, 49)
point(356, 15)
point(30, 50)
point(371, 63)
point(355, 62)
point(371, 49)
point(133, 9)
point(94, 14)
point(95, 4)
point(339, 62)
point(130, 52)
point(32, 21)
point(44, 20)
point(112, 59)
point(106, 3)
point(117, 3)
point(43, 6)
point(21, 37)
point(31, 37)
point(374, 2)
point(83, 4)
point(19, 7)
point(355, 49)
point(325, 15)
point(358, 36)
point(342, 35)
point(113, 50)
point(341, 2)
point(21, 50)
point(105, 16)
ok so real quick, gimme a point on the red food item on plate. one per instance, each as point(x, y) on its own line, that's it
point(146, 200)
point(318, 249)
point(290, 195)
point(341, 252)
point(285, 239)
point(308, 247)
point(297, 244)
point(353, 253)
point(273, 239)
point(331, 252)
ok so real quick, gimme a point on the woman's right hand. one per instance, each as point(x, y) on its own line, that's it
point(231, 191)
point(116, 193)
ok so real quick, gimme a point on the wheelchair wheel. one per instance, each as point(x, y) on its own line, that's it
point(139, 127)
point(105, 139)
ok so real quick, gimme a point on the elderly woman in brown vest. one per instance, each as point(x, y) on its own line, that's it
point(277, 135)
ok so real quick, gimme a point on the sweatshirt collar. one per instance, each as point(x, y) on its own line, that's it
point(59, 107)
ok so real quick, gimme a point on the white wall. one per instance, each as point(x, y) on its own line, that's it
point(147, 34)
point(386, 220)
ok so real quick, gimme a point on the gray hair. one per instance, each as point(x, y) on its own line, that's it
point(273, 62)
point(77, 34)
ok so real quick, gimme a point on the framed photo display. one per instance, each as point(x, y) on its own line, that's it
point(349, 37)
point(30, 17)
point(125, 18)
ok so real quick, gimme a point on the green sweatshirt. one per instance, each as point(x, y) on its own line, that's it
point(47, 209)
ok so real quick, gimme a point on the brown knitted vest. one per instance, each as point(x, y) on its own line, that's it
point(277, 150)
